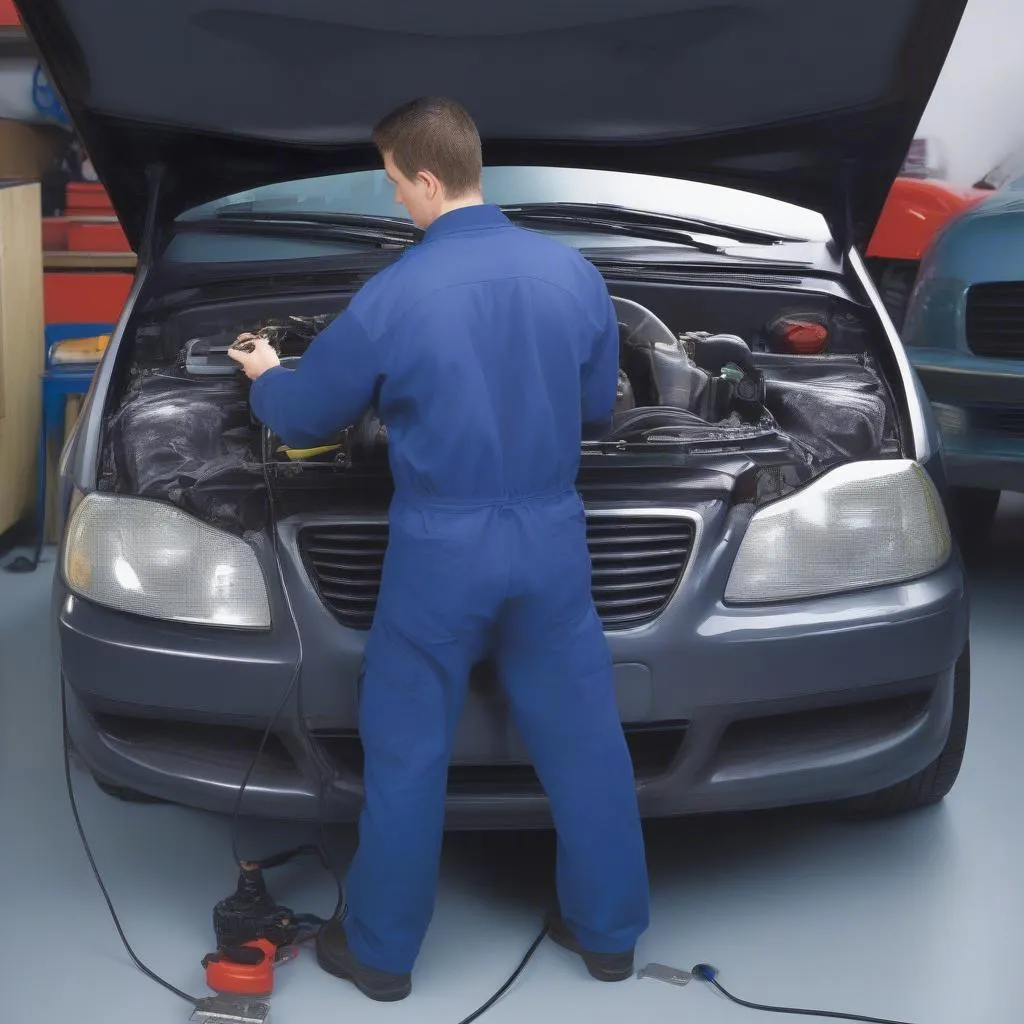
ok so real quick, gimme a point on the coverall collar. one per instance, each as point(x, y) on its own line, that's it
point(467, 218)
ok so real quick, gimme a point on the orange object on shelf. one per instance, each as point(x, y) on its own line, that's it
point(87, 197)
point(72, 351)
point(9, 15)
point(84, 297)
point(85, 237)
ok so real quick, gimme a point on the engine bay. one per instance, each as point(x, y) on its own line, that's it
point(794, 385)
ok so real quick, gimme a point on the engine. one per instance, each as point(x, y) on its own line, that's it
point(710, 377)
point(697, 387)
point(664, 381)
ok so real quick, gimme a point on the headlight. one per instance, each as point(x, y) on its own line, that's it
point(150, 559)
point(862, 525)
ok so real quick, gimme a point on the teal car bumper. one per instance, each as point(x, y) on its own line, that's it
point(964, 335)
point(979, 407)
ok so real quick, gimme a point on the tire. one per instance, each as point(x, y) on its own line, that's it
point(933, 784)
point(972, 517)
point(895, 282)
point(127, 795)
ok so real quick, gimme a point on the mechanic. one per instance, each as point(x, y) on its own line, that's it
point(487, 351)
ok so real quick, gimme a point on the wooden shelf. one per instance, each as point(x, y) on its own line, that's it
point(14, 42)
point(89, 260)
point(85, 218)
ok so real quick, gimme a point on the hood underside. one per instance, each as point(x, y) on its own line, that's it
point(814, 102)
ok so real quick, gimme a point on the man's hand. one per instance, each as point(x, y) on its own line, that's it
point(259, 360)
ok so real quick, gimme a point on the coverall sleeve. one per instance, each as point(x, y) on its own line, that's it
point(600, 378)
point(332, 386)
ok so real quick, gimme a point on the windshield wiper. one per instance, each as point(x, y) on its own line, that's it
point(615, 226)
point(394, 231)
point(349, 226)
point(641, 224)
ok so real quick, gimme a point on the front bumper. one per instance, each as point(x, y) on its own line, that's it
point(976, 466)
point(725, 708)
point(979, 404)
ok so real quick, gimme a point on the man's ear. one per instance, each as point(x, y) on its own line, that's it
point(432, 183)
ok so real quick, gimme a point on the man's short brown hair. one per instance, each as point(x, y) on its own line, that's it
point(437, 135)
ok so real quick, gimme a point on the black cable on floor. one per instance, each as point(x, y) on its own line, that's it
point(527, 957)
point(149, 973)
point(709, 974)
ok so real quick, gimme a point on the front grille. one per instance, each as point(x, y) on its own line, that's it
point(995, 320)
point(637, 561)
point(345, 560)
point(999, 422)
point(653, 750)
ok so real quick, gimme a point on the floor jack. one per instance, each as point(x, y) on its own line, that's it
point(254, 935)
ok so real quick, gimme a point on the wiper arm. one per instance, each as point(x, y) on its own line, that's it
point(353, 226)
point(246, 211)
point(656, 234)
point(601, 213)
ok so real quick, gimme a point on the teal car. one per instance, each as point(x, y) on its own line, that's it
point(964, 334)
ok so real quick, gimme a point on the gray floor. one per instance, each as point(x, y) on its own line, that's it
point(919, 919)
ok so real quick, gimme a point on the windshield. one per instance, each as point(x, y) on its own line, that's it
point(369, 193)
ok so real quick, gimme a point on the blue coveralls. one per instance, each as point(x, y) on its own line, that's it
point(486, 349)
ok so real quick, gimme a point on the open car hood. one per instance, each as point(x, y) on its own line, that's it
point(813, 102)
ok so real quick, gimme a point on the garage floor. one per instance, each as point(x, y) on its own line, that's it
point(919, 919)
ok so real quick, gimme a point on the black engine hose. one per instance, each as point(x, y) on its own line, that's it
point(648, 418)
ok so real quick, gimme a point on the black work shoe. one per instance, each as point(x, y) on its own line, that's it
point(334, 956)
point(603, 966)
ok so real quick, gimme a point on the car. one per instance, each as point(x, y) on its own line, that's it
point(964, 334)
point(772, 558)
point(919, 205)
point(915, 210)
